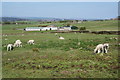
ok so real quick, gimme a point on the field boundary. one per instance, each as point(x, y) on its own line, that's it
point(94, 32)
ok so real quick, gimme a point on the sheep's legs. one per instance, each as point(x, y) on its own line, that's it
point(7, 48)
point(99, 51)
point(105, 51)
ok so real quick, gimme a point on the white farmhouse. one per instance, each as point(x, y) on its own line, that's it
point(65, 28)
point(40, 28)
point(33, 28)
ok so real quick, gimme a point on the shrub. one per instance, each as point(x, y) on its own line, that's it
point(35, 50)
point(82, 28)
point(74, 27)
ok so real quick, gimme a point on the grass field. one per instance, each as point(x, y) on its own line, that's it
point(56, 58)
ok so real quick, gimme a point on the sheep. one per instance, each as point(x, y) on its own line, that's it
point(56, 34)
point(9, 47)
point(113, 38)
point(118, 43)
point(6, 39)
point(101, 48)
point(78, 43)
point(30, 42)
point(62, 38)
point(17, 43)
point(98, 48)
point(106, 47)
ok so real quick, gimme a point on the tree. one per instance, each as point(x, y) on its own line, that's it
point(82, 28)
point(74, 27)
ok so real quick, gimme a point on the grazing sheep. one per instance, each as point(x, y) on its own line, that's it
point(56, 34)
point(30, 42)
point(9, 47)
point(78, 43)
point(6, 39)
point(62, 38)
point(18, 43)
point(106, 47)
point(113, 38)
point(101, 48)
point(118, 43)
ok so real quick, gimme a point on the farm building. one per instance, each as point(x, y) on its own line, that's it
point(40, 28)
point(33, 28)
point(49, 28)
point(65, 28)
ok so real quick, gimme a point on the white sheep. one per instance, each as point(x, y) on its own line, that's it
point(62, 38)
point(6, 39)
point(9, 47)
point(17, 43)
point(101, 48)
point(118, 43)
point(56, 34)
point(30, 42)
point(106, 47)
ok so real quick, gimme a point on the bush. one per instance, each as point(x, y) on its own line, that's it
point(6, 23)
point(74, 27)
point(82, 28)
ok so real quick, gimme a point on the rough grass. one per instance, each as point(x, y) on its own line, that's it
point(59, 58)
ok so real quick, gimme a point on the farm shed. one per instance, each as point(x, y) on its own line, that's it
point(33, 28)
point(40, 28)
point(49, 28)
point(66, 28)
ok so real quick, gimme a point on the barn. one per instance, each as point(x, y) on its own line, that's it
point(40, 28)
point(65, 28)
point(33, 28)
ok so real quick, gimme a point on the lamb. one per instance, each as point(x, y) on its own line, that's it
point(30, 42)
point(56, 34)
point(9, 47)
point(62, 38)
point(106, 47)
point(101, 48)
point(6, 39)
point(17, 43)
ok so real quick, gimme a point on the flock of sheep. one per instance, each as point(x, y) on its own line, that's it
point(17, 43)
point(100, 48)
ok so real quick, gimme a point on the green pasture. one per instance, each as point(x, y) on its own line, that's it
point(110, 25)
point(51, 57)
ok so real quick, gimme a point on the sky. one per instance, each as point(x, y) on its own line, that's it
point(86, 10)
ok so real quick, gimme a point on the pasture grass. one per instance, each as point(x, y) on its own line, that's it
point(60, 58)
point(57, 58)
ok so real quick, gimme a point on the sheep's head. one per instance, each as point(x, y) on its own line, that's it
point(106, 45)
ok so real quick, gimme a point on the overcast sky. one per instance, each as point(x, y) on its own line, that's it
point(88, 10)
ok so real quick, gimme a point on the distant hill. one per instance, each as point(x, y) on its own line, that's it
point(9, 19)
point(43, 19)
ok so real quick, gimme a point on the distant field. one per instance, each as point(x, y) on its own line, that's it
point(60, 58)
point(111, 25)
